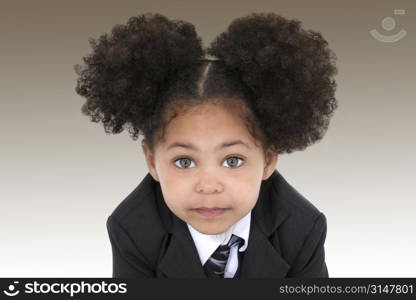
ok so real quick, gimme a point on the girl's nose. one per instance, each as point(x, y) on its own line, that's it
point(209, 185)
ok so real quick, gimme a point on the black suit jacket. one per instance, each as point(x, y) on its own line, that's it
point(286, 238)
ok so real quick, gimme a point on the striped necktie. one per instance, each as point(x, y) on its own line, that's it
point(215, 265)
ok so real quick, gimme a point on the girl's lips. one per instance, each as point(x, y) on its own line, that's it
point(211, 212)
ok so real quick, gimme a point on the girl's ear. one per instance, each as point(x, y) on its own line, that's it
point(270, 164)
point(150, 161)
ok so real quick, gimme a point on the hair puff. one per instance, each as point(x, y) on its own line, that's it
point(127, 71)
point(288, 71)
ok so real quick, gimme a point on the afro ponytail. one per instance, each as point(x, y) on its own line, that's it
point(127, 71)
point(288, 72)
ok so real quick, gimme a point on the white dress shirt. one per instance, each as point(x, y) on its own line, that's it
point(206, 244)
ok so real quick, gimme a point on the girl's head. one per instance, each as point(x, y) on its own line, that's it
point(212, 128)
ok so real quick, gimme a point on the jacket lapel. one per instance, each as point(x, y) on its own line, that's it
point(263, 258)
point(181, 259)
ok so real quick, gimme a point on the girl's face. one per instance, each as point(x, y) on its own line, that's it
point(208, 160)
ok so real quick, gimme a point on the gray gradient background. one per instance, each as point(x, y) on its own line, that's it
point(61, 175)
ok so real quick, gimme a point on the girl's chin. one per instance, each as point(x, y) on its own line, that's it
point(210, 228)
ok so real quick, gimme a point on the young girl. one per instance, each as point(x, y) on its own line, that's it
point(213, 204)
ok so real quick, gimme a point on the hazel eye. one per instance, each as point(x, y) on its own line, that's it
point(183, 162)
point(233, 161)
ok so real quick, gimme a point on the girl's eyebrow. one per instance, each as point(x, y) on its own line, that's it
point(193, 147)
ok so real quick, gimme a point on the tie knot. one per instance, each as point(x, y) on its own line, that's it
point(234, 240)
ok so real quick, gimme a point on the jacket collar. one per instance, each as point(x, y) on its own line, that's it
point(262, 259)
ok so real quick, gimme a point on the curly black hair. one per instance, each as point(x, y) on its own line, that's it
point(278, 76)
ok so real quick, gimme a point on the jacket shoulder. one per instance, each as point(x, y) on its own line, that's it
point(297, 204)
point(304, 223)
point(137, 218)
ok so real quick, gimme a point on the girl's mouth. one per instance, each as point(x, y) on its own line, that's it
point(211, 212)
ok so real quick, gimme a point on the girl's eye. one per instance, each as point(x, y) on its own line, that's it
point(185, 163)
point(233, 161)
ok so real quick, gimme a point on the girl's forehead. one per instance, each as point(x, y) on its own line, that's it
point(207, 120)
point(222, 145)
point(199, 137)
point(208, 125)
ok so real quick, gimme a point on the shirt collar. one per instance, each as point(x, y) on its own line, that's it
point(206, 244)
